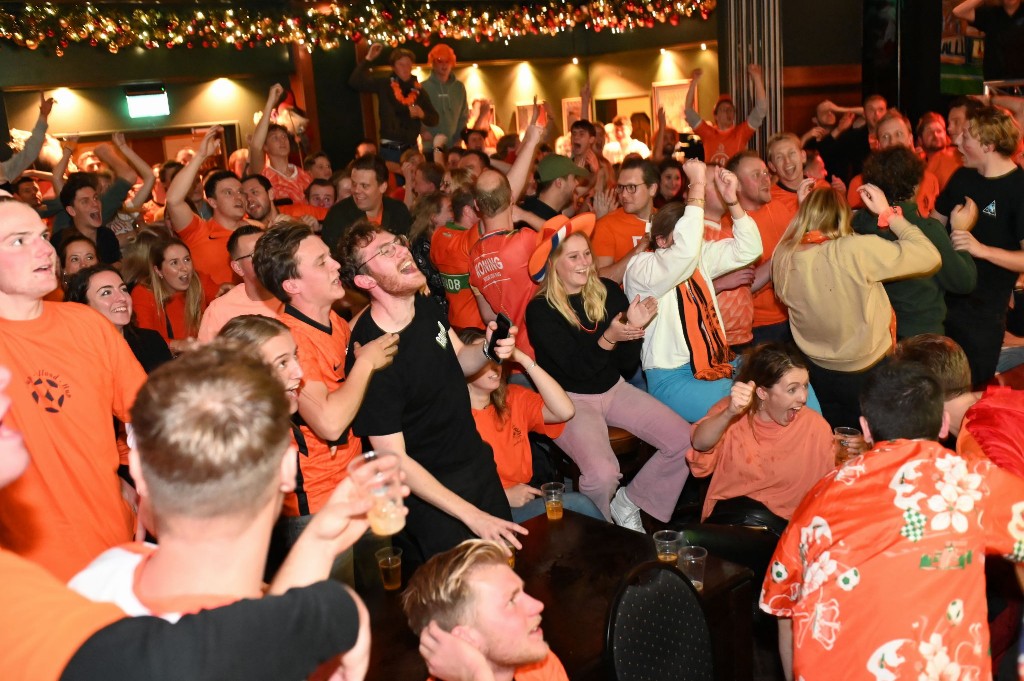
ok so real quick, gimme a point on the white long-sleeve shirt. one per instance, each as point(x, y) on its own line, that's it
point(659, 272)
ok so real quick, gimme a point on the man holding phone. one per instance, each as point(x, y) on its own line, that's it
point(419, 405)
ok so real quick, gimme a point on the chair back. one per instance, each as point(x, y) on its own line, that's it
point(656, 628)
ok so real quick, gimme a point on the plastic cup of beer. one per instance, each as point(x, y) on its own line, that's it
point(849, 442)
point(553, 492)
point(668, 543)
point(378, 474)
point(691, 562)
point(389, 560)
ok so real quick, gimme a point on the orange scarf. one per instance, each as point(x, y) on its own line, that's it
point(709, 352)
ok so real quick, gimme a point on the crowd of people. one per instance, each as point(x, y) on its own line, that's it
point(256, 328)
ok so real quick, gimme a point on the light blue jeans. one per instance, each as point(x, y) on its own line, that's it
point(691, 397)
point(573, 501)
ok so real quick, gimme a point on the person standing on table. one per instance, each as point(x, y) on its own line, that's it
point(882, 566)
point(448, 95)
point(404, 106)
point(419, 406)
point(474, 620)
point(586, 334)
point(723, 139)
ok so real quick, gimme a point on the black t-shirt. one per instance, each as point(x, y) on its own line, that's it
point(423, 395)
point(1004, 42)
point(571, 354)
point(148, 346)
point(277, 637)
point(1000, 203)
point(534, 205)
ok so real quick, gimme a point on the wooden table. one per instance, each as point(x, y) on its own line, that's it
point(575, 566)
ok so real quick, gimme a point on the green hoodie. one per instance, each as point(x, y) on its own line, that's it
point(920, 302)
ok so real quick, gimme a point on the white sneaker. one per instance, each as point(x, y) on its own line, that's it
point(625, 513)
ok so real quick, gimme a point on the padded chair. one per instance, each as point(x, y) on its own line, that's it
point(656, 628)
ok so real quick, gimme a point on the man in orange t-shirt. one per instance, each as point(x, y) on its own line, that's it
point(296, 266)
point(941, 157)
point(449, 252)
point(475, 621)
point(724, 139)
point(769, 207)
point(207, 239)
point(623, 233)
point(73, 372)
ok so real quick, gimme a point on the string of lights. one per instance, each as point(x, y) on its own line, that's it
point(54, 27)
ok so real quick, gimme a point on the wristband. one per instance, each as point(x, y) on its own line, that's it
point(886, 216)
point(734, 203)
point(695, 201)
point(608, 340)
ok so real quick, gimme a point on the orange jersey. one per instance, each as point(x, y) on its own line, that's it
point(772, 220)
point(449, 252)
point(616, 234)
point(72, 372)
point(499, 272)
point(548, 669)
point(720, 146)
point(288, 186)
point(943, 164)
point(509, 439)
point(42, 622)
point(208, 242)
point(322, 465)
point(736, 305)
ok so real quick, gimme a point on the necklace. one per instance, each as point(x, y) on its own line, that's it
point(405, 100)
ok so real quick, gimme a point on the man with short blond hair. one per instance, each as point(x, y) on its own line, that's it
point(475, 621)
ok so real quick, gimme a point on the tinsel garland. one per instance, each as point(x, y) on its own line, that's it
point(115, 27)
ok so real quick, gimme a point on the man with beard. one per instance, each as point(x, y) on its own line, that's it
point(941, 157)
point(207, 239)
point(369, 201)
point(260, 206)
point(419, 406)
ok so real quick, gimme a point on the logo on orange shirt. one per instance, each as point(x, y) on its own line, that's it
point(48, 392)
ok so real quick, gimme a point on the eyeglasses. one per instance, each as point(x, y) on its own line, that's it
point(388, 249)
point(628, 188)
point(243, 257)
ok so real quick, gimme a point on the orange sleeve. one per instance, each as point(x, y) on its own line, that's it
point(128, 375)
point(42, 622)
point(146, 315)
point(852, 195)
point(703, 464)
point(603, 241)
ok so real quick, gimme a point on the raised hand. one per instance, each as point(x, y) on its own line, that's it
point(695, 170)
point(740, 397)
point(874, 198)
point(374, 51)
point(727, 183)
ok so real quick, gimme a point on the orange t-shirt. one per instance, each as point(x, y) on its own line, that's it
point(297, 210)
point(772, 220)
point(449, 251)
point(773, 464)
point(509, 440)
point(927, 192)
point(45, 623)
point(943, 164)
point(322, 353)
point(208, 242)
point(736, 305)
point(616, 234)
point(500, 273)
point(71, 373)
point(720, 146)
point(291, 186)
point(234, 303)
point(170, 324)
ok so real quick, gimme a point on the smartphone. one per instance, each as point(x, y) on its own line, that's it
point(500, 333)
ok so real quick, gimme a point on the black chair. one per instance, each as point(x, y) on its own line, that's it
point(656, 628)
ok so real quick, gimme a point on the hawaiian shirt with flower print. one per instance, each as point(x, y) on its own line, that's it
point(882, 566)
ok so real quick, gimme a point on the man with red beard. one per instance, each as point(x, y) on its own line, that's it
point(419, 406)
point(941, 158)
point(475, 621)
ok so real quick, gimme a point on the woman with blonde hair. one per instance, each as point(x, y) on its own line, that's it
point(831, 281)
point(587, 335)
point(170, 300)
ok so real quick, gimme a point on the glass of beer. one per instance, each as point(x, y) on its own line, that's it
point(389, 560)
point(378, 474)
point(668, 543)
point(849, 443)
point(553, 492)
